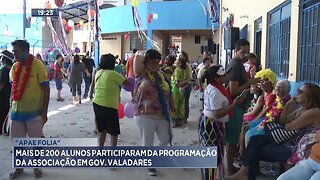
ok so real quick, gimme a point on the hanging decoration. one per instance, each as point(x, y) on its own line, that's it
point(203, 8)
point(70, 23)
point(135, 3)
point(59, 3)
point(47, 5)
point(126, 36)
point(91, 12)
point(138, 24)
point(79, 26)
point(99, 2)
point(77, 50)
point(42, 24)
point(64, 21)
point(81, 23)
point(155, 16)
point(214, 13)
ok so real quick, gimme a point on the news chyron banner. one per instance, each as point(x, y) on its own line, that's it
point(83, 152)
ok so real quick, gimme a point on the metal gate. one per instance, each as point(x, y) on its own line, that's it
point(279, 40)
point(310, 42)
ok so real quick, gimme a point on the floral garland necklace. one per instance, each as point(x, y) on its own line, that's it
point(18, 90)
point(164, 84)
point(277, 107)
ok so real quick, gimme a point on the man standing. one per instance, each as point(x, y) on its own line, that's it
point(58, 70)
point(89, 64)
point(129, 65)
point(30, 97)
point(237, 83)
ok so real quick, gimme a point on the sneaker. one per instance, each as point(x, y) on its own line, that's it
point(152, 172)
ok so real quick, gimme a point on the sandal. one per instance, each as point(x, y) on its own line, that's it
point(37, 172)
point(16, 173)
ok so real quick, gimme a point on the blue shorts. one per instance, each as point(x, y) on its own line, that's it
point(58, 83)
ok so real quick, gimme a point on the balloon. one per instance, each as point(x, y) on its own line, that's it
point(64, 21)
point(59, 3)
point(129, 109)
point(131, 86)
point(70, 23)
point(150, 16)
point(126, 36)
point(91, 13)
point(8, 33)
point(42, 24)
point(79, 26)
point(134, 3)
point(33, 20)
point(77, 50)
point(148, 20)
point(100, 2)
point(81, 23)
point(120, 111)
point(68, 28)
point(51, 49)
point(47, 5)
point(155, 16)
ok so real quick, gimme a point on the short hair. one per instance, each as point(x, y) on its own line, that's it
point(205, 60)
point(240, 43)
point(171, 59)
point(152, 54)
point(134, 50)
point(107, 61)
point(58, 56)
point(76, 59)
point(252, 56)
point(88, 53)
point(23, 44)
point(185, 55)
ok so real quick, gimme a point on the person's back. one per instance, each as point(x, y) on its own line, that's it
point(76, 70)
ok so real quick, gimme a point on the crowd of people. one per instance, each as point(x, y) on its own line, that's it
point(265, 124)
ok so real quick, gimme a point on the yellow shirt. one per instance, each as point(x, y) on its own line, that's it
point(30, 105)
point(107, 90)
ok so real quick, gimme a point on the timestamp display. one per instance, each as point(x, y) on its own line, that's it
point(44, 12)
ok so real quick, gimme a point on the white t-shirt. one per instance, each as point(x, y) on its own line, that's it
point(200, 66)
point(214, 100)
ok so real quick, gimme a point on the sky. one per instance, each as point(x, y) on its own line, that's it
point(16, 6)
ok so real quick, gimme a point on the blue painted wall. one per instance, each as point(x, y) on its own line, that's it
point(173, 15)
point(14, 23)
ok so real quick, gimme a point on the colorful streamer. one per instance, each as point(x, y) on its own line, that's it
point(140, 29)
point(203, 8)
point(214, 12)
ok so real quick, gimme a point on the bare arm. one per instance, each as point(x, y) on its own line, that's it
point(257, 108)
point(289, 112)
point(307, 118)
point(235, 89)
point(224, 111)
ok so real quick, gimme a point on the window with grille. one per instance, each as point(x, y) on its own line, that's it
point(137, 43)
point(310, 42)
point(279, 40)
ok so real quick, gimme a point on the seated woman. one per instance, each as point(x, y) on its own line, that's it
point(306, 169)
point(270, 80)
point(263, 148)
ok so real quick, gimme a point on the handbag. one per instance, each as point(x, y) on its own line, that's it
point(278, 133)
